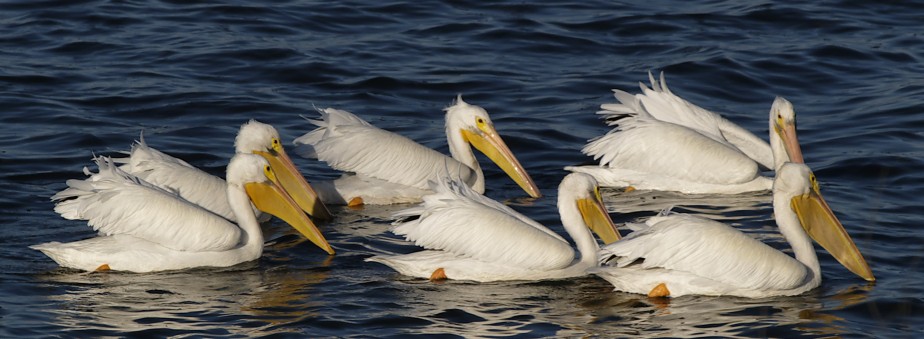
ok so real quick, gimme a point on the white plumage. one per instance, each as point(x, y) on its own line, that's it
point(694, 255)
point(207, 190)
point(116, 202)
point(662, 142)
point(144, 228)
point(388, 168)
point(178, 176)
point(475, 238)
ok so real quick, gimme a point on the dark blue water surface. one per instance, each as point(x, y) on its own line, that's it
point(85, 77)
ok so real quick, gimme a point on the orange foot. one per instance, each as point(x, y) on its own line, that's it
point(659, 291)
point(438, 275)
point(630, 189)
point(355, 202)
point(102, 268)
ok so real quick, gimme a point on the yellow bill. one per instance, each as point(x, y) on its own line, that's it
point(269, 198)
point(595, 217)
point(294, 183)
point(490, 143)
point(820, 223)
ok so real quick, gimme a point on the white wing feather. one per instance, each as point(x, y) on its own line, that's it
point(458, 220)
point(347, 143)
point(662, 104)
point(176, 175)
point(653, 146)
point(709, 249)
point(115, 202)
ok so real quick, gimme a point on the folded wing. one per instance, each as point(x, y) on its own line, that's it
point(115, 202)
point(458, 220)
point(347, 143)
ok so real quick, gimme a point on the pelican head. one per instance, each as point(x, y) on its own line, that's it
point(257, 178)
point(783, 125)
point(584, 191)
point(477, 129)
point(262, 139)
point(799, 184)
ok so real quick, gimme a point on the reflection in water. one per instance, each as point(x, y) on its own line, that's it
point(698, 316)
point(717, 206)
point(588, 307)
point(750, 212)
point(240, 300)
point(367, 220)
point(284, 296)
point(492, 309)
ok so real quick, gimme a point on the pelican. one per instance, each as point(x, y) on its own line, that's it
point(144, 228)
point(471, 237)
point(208, 191)
point(663, 142)
point(677, 254)
point(388, 168)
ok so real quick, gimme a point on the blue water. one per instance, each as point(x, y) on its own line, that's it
point(85, 77)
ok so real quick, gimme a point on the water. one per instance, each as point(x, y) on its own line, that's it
point(78, 78)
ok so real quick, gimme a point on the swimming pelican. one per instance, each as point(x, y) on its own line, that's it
point(388, 168)
point(678, 254)
point(471, 237)
point(663, 142)
point(144, 228)
point(207, 190)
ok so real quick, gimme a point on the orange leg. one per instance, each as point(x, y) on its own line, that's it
point(102, 268)
point(438, 275)
point(355, 202)
point(659, 291)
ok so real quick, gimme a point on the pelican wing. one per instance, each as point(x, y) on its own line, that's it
point(662, 104)
point(176, 175)
point(458, 220)
point(706, 248)
point(653, 146)
point(115, 202)
point(347, 143)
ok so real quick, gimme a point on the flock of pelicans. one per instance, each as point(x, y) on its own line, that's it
point(155, 212)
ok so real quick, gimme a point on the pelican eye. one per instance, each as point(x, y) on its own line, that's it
point(268, 171)
point(276, 144)
point(814, 182)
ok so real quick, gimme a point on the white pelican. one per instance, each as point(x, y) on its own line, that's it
point(663, 142)
point(144, 228)
point(388, 168)
point(678, 254)
point(207, 190)
point(471, 237)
